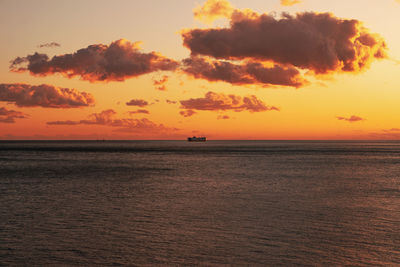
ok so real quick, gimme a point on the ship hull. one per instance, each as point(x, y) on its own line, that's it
point(196, 139)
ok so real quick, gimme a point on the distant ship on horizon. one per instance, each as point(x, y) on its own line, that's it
point(196, 139)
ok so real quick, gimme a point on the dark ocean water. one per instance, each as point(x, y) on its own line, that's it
point(219, 203)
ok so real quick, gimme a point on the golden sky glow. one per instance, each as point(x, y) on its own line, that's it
point(235, 69)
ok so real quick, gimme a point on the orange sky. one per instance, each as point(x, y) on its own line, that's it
point(226, 70)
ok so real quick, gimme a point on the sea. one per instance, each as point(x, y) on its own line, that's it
point(214, 203)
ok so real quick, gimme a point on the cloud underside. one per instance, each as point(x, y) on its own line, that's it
point(318, 43)
point(352, 118)
point(118, 61)
point(221, 102)
point(107, 118)
point(44, 95)
point(243, 73)
point(9, 116)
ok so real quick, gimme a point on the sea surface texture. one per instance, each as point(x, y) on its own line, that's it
point(218, 203)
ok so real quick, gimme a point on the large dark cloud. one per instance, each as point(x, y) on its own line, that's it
point(107, 118)
point(44, 95)
point(221, 102)
point(240, 74)
point(318, 42)
point(9, 116)
point(118, 61)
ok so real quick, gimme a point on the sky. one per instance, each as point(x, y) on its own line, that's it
point(260, 69)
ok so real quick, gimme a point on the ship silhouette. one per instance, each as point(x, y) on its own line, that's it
point(196, 139)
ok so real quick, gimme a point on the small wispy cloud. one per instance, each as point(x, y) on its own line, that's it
point(352, 118)
point(52, 44)
point(9, 116)
point(137, 102)
point(290, 2)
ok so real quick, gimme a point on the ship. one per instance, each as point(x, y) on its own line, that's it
point(196, 139)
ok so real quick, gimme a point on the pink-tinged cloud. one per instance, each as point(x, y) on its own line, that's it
point(290, 2)
point(137, 102)
point(187, 113)
point(139, 111)
point(353, 118)
point(221, 102)
point(242, 74)
point(118, 61)
point(160, 84)
point(44, 95)
point(49, 45)
point(9, 116)
point(318, 42)
point(212, 10)
point(108, 118)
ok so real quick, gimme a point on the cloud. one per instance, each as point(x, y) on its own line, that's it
point(160, 84)
point(223, 117)
point(118, 61)
point(212, 10)
point(137, 102)
point(317, 42)
point(107, 118)
point(387, 134)
point(9, 116)
point(67, 122)
point(392, 129)
point(221, 102)
point(241, 74)
point(353, 118)
point(187, 113)
point(141, 111)
point(290, 2)
point(171, 101)
point(52, 44)
point(44, 95)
